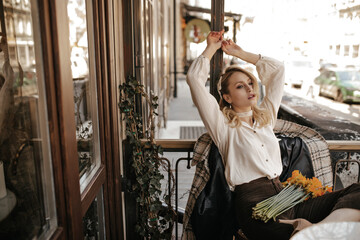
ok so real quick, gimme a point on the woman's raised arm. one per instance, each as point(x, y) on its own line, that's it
point(206, 104)
point(230, 48)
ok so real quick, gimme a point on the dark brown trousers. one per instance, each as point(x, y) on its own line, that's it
point(247, 195)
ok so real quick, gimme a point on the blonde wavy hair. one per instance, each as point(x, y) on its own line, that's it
point(261, 115)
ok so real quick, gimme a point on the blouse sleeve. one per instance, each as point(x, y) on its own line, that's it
point(206, 103)
point(272, 74)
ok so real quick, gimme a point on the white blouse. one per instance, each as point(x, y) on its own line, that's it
point(248, 152)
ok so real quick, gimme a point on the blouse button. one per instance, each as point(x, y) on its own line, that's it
point(266, 160)
point(274, 174)
point(262, 145)
point(254, 131)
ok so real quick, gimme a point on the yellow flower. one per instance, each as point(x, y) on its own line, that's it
point(297, 188)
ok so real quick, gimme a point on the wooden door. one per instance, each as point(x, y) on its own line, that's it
point(79, 50)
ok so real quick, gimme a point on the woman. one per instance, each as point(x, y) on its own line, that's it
point(243, 133)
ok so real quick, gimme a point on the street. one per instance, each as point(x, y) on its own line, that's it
point(347, 111)
point(334, 120)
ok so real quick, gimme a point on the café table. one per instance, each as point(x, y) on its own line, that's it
point(330, 231)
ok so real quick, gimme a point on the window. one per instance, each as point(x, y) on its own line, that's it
point(346, 50)
point(337, 52)
point(27, 193)
point(355, 53)
point(85, 89)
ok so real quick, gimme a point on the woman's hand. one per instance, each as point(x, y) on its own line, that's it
point(214, 40)
point(230, 48)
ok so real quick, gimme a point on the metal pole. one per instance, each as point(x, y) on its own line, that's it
point(175, 70)
point(217, 24)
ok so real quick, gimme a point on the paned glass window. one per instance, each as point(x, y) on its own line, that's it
point(27, 197)
point(85, 89)
point(94, 219)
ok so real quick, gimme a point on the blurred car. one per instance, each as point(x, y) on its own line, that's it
point(299, 71)
point(342, 85)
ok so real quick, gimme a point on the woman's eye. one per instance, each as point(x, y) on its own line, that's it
point(240, 86)
point(251, 83)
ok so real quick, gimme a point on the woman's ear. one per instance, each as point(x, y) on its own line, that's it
point(227, 98)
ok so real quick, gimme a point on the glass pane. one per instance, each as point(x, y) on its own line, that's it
point(94, 219)
point(27, 198)
point(85, 96)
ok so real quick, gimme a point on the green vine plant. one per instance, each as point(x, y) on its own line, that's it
point(155, 220)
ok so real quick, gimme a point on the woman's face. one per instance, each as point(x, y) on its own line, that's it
point(241, 93)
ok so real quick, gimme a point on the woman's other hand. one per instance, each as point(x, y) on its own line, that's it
point(214, 40)
point(230, 48)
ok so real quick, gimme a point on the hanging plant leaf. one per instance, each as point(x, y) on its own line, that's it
point(146, 164)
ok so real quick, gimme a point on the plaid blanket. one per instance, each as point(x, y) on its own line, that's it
point(319, 149)
point(201, 177)
point(316, 144)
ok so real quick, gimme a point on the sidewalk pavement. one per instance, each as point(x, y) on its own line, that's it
point(182, 113)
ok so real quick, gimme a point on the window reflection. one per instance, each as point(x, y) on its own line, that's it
point(20, 25)
point(27, 202)
point(85, 95)
point(94, 219)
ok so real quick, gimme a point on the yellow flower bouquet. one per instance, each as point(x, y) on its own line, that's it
point(297, 189)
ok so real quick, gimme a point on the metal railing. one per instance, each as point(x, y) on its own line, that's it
point(183, 146)
point(348, 147)
point(187, 146)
